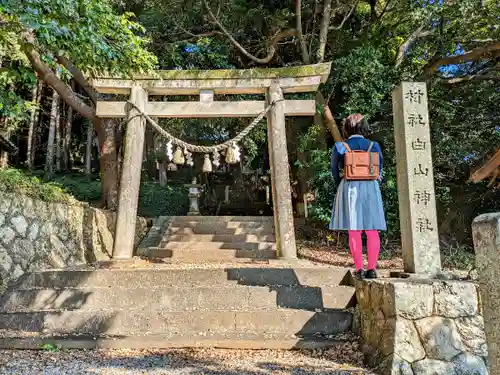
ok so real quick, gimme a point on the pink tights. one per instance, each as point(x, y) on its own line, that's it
point(356, 246)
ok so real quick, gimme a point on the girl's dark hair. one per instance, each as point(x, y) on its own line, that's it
point(356, 124)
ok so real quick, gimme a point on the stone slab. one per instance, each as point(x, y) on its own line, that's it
point(146, 321)
point(200, 254)
point(175, 299)
point(217, 245)
point(239, 238)
point(170, 341)
point(152, 279)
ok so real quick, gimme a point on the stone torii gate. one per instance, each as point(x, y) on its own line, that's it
point(273, 83)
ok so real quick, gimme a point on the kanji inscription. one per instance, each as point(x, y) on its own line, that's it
point(422, 197)
point(418, 145)
point(419, 233)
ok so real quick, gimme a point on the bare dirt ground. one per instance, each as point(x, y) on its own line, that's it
point(342, 360)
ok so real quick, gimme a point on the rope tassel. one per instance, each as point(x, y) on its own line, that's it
point(179, 157)
point(207, 164)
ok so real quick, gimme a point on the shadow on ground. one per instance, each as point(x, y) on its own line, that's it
point(176, 362)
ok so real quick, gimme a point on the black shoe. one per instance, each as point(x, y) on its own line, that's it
point(360, 274)
point(371, 274)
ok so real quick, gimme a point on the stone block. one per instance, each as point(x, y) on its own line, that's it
point(454, 299)
point(7, 235)
point(471, 330)
point(5, 262)
point(20, 224)
point(440, 338)
point(33, 231)
point(29, 209)
point(468, 364)
point(394, 365)
point(433, 367)
point(411, 300)
point(23, 251)
point(407, 342)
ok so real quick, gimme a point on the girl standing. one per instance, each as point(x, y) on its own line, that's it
point(358, 204)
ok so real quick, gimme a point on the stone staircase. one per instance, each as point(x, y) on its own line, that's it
point(210, 239)
point(167, 306)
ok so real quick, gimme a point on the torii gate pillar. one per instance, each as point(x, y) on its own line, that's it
point(280, 175)
point(130, 181)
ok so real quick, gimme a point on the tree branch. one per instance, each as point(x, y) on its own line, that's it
point(476, 77)
point(62, 88)
point(79, 77)
point(346, 17)
point(300, 35)
point(323, 31)
point(487, 169)
point(272, 48)
point(418, 33)
point(478, 53)
point(198, 36)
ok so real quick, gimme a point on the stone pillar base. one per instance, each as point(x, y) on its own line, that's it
point(421, 327)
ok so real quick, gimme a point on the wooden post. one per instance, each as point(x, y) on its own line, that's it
point(280, 178)
point(130, 178)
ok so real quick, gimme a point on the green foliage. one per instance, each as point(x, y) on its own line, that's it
point(364, 80)
point(14, 79)
point(18, 182)
point(156, 200)
point(315, 163)
point(80, 187)
point(88, 32)
point(50, 348)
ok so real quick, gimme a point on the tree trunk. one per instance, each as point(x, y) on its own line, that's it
point(88, 149)
point(67, 138)
point(108, 155)
point(58, 138)
point(36, 95)
point(49, 162)
point(149, 150)
point(163, 173)
point(108, 162)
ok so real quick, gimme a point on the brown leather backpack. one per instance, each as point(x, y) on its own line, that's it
point(361, 165)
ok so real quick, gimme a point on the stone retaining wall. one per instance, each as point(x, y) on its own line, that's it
point(422, 327)
point(37, 235)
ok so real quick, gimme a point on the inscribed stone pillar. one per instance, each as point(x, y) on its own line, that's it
point(280, 178)
point(486, 234)
point(130, 178)
point(417, 200)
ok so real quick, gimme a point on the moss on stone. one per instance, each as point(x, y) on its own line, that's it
point(290, 71)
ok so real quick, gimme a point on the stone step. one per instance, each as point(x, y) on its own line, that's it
point(218, 245)
point(193, 277)
point(202, 254)
point(218, 230)
point(222, 224)
point(177, 299)
point(245, 340)
point(136, 322)
point(251, 238)
point(225, 219)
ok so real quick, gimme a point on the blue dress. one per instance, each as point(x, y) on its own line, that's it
point(358, 204)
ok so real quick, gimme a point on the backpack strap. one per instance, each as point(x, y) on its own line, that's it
point(347, 146)
point(370, 147)
point(371, 156)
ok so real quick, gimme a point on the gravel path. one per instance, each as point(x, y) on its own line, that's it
point(339, 361)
